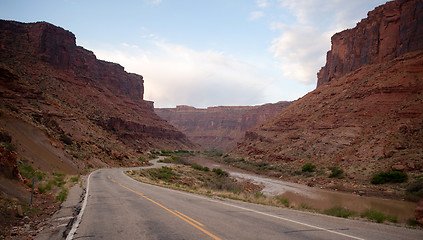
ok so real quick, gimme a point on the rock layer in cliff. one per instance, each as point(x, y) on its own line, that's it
point(218, 128)
point(388, 32)
point(367, 117)
point(90, 108)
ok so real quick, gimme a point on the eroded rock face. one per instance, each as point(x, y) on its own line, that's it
point(57, 47)
point(218, 128)
point(48, 81)
point(367, 116)
point(388, 32)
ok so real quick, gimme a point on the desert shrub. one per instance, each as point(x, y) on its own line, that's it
point(26, 171)
point(259, 194)
point(44, 188)
point(220, 172)
point(414, 191)
point(199, 167)
point(412, 222)
point(75, 179)
point(308, 167)
point(164, 173)
point(65, 139)
point(222, 183)
point(339, 212)
point(389, 176)
point(62, 195)
point(374, 215)
point(282, 200)
point(336, 172)
point(59, 179)
point(9, 146)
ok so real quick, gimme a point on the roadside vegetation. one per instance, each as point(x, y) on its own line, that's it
point(55, 184)
point(182, 174)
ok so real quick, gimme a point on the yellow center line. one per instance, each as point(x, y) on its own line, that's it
point(176, 213)
point(192, 220)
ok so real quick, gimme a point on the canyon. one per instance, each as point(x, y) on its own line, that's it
point(218, 128)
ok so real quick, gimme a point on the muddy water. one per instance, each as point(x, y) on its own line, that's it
point(319, 198)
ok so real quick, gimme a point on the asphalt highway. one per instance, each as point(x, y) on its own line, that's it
point(118, 207)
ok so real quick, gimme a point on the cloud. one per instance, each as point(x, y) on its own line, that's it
point(156, 2)
point(256, 15)
point(177, 75)
point(302, 45)
point(262, 3)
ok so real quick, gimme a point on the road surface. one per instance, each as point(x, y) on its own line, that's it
point(118, 207)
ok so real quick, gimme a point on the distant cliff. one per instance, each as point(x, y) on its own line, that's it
point(389, 31)
point(50, 82)
point(218, 127)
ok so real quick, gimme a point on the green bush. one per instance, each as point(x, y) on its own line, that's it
point(164, 173)
point(389, 176)
point(59, 179)
point(10, 146)
point(62, 195)
point(199, 167)
point(339, 212)
point(259, 194)
point(414, 191)
point(282, 200)
point(220, 172)
point(374, 215)
point(26, 171)
point(44, 188)
point(75, 179)
point(308, 167)
point(336, 172)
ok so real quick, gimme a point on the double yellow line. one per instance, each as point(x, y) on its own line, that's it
point(182, 216)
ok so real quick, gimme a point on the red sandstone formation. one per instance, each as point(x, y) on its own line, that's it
point(388, 32)
point(89, 104)
point(368, 114)
point(218, 128)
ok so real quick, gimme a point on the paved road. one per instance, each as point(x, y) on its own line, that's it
point(121, 208)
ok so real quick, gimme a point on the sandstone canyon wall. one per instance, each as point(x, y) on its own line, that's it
point(221, 127)
point(92, 109)
point(388, 32)
point(366, 117)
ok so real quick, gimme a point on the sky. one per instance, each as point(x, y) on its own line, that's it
point(205, 53)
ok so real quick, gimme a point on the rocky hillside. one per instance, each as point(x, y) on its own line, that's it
point(366, 115)
point(218, 128)
point(91, 109)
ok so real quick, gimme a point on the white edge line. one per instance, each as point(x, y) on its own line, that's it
point(274, 216)
point(263, 213)
point(79, 217)
point(289, 220)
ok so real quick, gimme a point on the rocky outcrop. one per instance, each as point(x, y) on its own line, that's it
point(87, 106)
point(367, 117)
point(221, 127)
point(389, 31)
point(57, 47)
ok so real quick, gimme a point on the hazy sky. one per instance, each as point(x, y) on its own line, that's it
point(205, 52)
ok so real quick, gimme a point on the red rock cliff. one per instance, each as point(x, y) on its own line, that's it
point(56, 46)
point(365, 120)
point(218, 127)
point(389, 31)
point(97, 107)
